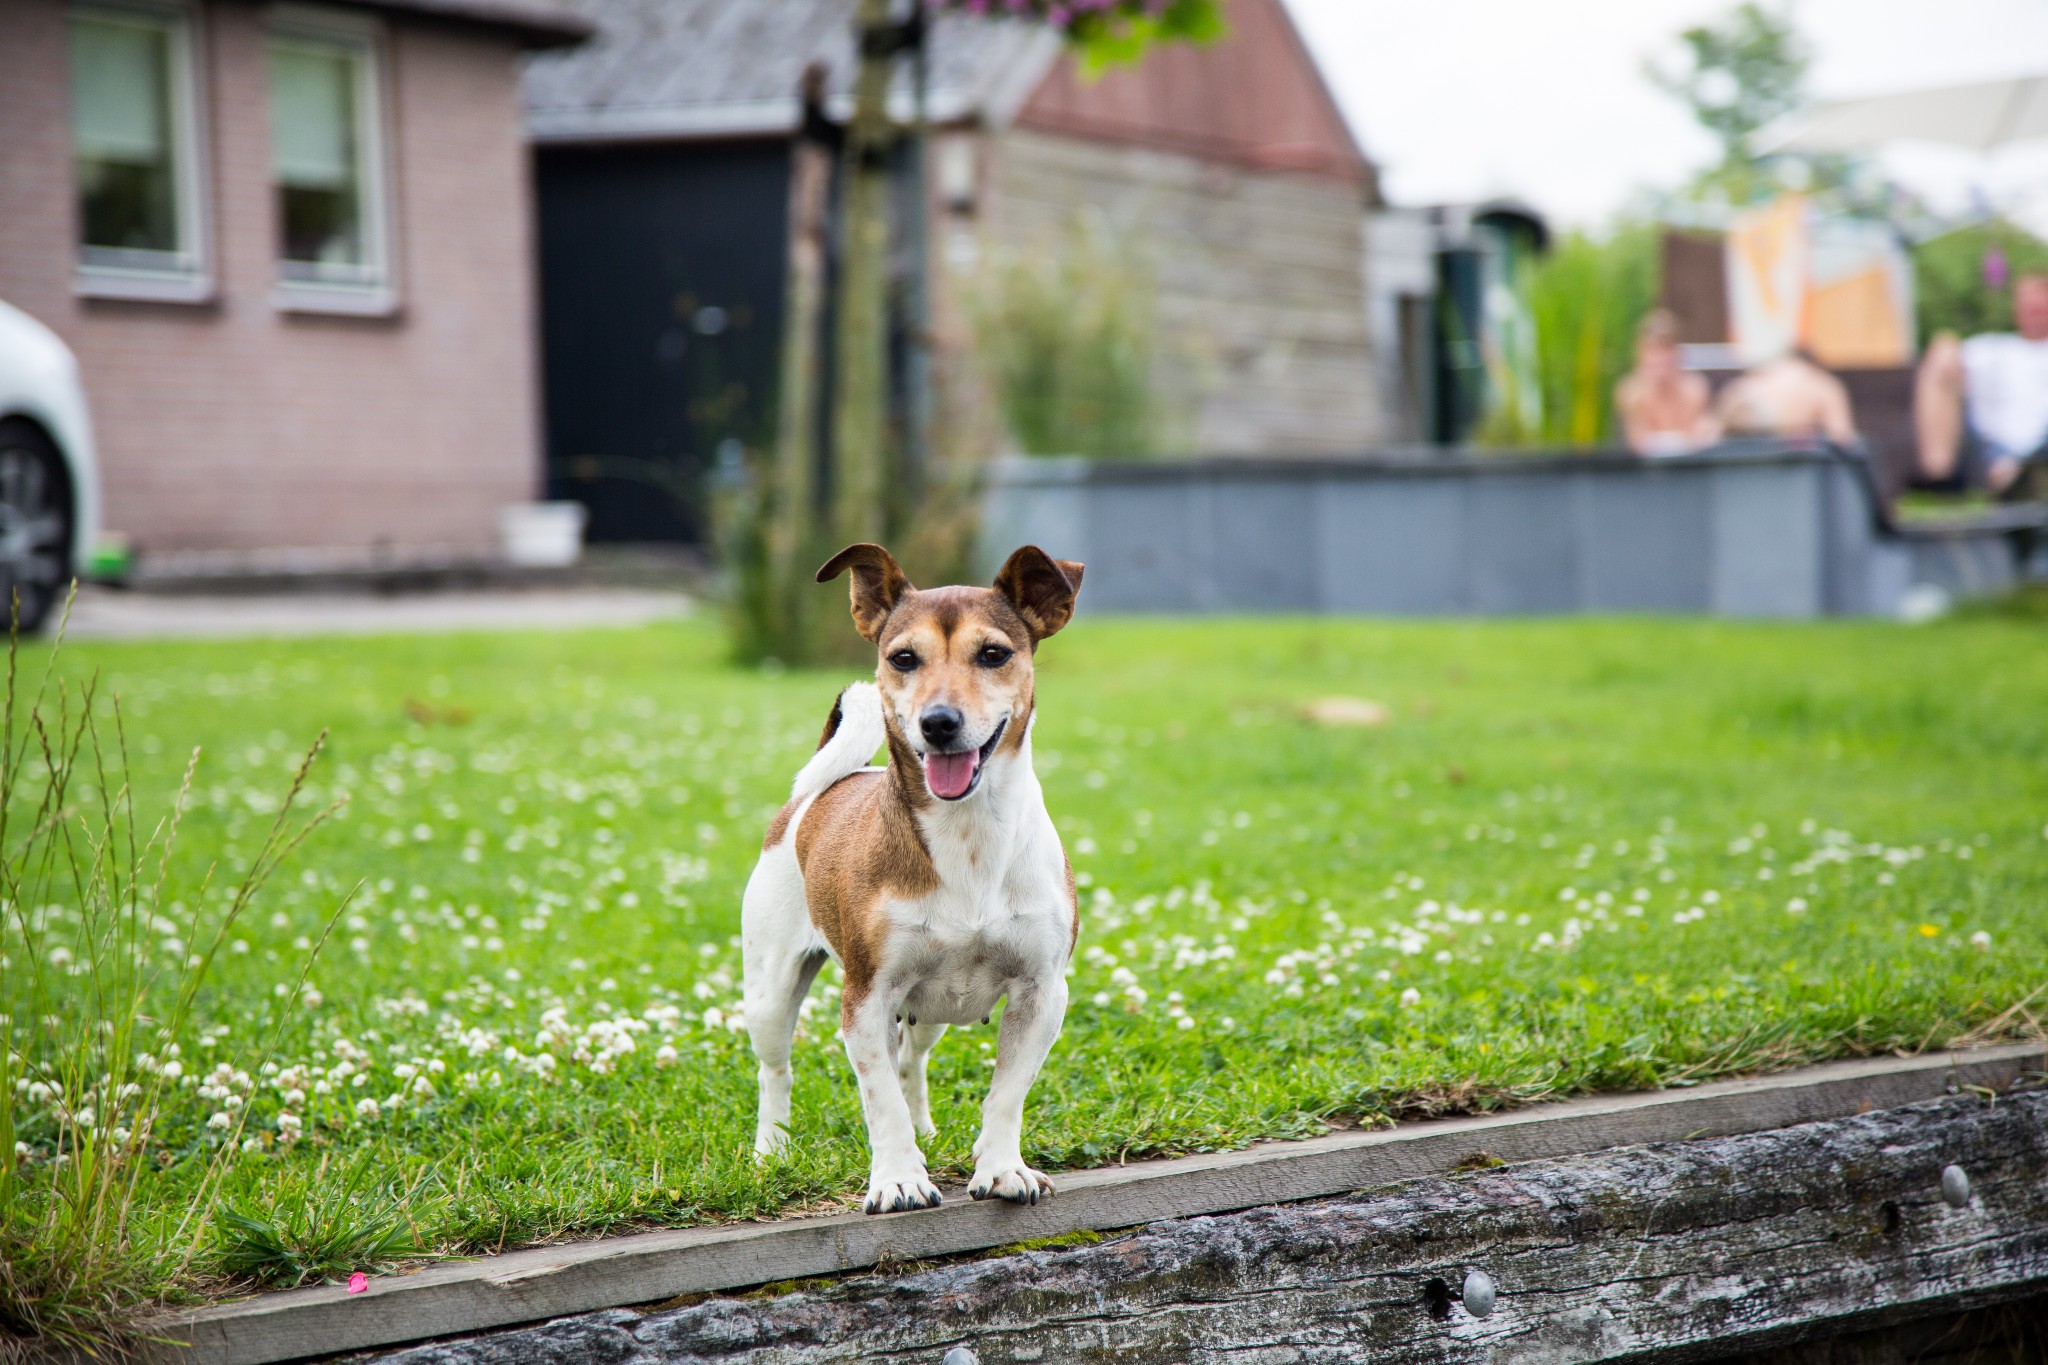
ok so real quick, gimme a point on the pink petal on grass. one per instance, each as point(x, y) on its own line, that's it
point(358, 1282)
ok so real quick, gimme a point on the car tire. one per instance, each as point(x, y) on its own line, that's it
point(35, 523)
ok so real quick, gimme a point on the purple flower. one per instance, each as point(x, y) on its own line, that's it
point(1996, 267)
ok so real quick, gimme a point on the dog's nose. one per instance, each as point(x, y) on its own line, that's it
point(941, 725)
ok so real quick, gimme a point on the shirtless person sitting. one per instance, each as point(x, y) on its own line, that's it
point(1791, 398)
point(1980, 407)
point(1663, 408)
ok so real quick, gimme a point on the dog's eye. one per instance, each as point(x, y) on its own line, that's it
point(994, 656)
point(903, 660)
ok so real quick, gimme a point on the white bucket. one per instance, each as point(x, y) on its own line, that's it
point(542, 535)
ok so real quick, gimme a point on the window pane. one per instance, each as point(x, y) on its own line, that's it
point(122, 134)
point(317, 154)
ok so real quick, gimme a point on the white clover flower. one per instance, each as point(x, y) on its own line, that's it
point(122, 1136)
point(714, 1018)
point(1410, 998)
point(367, 1108)
point(1101, 999)
point(173, 1069)
point(295, 1097)
point(1980, 939)
point(289, 1125)
point(1184, 1022)
point(1796, 906)
point(665, 1055)
point(252, 1144)
point(219, 1121)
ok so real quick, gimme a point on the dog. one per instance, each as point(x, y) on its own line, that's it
point(937, 882)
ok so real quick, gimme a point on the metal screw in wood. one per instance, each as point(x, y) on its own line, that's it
point(1478, 1293)
point(960, 1355)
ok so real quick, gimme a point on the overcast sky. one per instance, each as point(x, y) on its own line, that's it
point(1546, 99)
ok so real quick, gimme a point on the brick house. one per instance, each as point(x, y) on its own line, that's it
point(291, 247)
point(662, 162)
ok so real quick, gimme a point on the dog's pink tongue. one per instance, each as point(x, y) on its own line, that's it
point(950, 775)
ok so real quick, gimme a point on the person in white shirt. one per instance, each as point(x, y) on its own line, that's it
point(1986, 397)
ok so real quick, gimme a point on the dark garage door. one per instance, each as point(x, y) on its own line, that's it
point(661, 305)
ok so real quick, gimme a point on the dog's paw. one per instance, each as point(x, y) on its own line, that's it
point(900, 1196)
point(1017, 1183)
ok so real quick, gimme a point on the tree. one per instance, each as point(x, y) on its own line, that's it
point(784, 522)
point(1739, 76)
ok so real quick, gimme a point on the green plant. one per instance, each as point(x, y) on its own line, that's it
point(1963, 277)
point(1113, 32)
point(317, 1228)
point(100, 969)
point(1065, 333)
point(1585, 299)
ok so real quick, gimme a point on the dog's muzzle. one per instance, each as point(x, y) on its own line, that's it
point(953, 776)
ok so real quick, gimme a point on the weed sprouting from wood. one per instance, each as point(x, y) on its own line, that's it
point(316, 1229)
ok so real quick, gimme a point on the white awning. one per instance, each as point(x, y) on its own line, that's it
point(1984, 116)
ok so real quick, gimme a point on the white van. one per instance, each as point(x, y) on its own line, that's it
point(49, 484)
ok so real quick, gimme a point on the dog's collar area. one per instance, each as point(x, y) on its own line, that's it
point(953, 777)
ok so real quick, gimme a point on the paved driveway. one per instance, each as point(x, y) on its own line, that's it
point(109, 614)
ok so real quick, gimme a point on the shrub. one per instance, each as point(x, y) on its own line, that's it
point(1065, 334)
point(1584, 300)
point(1957, 292)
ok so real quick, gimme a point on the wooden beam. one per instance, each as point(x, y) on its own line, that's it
point(548, 1282)
point(1675, 1252)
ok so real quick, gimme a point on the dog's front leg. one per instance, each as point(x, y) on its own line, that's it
point(1031, 1022)
point(896, 1175)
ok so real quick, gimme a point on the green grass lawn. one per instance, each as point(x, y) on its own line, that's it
point(1577, 855)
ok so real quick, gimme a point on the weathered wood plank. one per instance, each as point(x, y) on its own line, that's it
point(529, 1286)
point(1667, 1252)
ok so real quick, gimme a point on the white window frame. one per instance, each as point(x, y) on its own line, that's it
point(187, 276)
point(375, 294)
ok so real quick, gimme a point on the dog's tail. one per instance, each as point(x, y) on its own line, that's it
point(852, 734)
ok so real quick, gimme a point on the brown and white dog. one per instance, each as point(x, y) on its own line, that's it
point(937, 882)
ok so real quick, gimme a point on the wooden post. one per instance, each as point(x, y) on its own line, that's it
point(860, 407)
point(792, 538)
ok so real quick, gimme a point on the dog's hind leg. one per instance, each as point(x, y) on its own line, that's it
point(781, 953)
point(913, 1047)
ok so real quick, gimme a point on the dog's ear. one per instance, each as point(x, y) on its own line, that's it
point(1041, 588)
point(878, 585)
